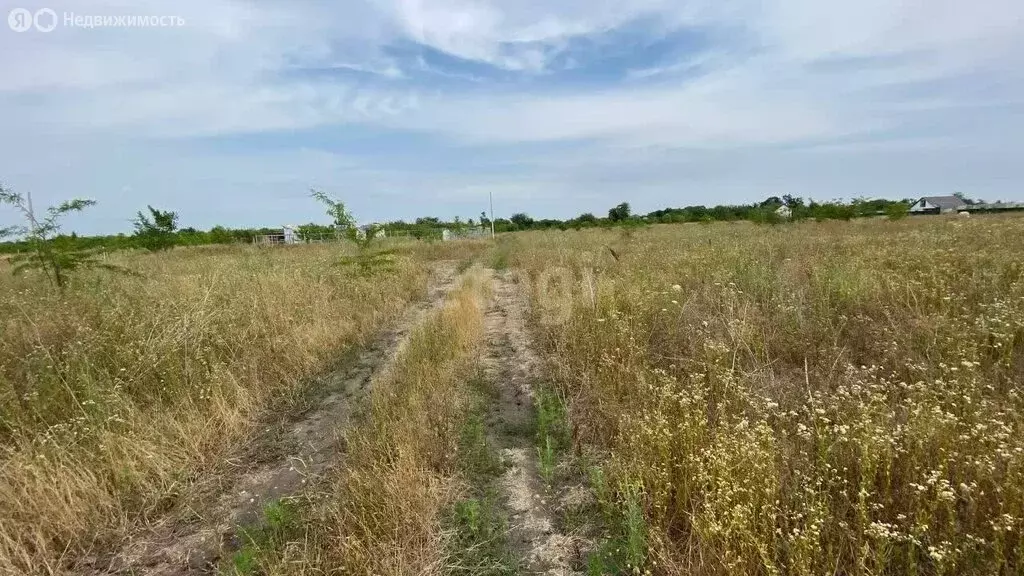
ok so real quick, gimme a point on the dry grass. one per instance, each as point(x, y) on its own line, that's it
point(116, 395)
point(817, 398)
point(382, 511)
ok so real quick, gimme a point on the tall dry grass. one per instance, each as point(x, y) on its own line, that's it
point(382, 510)
point(815, 398)
point(115, 395)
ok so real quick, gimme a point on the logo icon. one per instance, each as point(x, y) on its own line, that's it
point(45, 20)
point(20, 19)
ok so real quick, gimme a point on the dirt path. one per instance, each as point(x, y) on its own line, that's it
point(511, 365)
point(284, 461)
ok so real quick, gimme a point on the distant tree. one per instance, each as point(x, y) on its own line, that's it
point(963, 198)
point(485, 222)
point(585, 220)
point(793, 201)
point(220, 235)
point(54, 259)
point(897, 210)
point(156, 231)
point(522, 221)
point(797, 209)
point(619, 213)
point(772, 201)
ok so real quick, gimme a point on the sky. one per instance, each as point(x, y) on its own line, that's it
point(409, 108)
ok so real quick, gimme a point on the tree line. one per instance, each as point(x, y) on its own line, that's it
point(156, 229)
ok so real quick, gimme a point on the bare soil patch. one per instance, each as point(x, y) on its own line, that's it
point(532, 506)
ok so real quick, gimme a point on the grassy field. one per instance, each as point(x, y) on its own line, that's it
point(809, 398)
point(118, 394)
point(815, 398)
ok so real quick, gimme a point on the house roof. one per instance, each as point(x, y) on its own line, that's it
point(945, 202)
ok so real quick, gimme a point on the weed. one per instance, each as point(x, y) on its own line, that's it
point(623, 549)
point(501, 253)
point(477, 457)
point(263, 543)
point(479, 545)
point(370, 262)
point(546, 459)
point(552, 432)
point(634, 527)
point(606, 559)
point(243, 562)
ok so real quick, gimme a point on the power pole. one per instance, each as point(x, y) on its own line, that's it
point(31, 213)
point(491, 196)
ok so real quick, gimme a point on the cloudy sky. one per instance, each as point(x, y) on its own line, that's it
point(407, 108)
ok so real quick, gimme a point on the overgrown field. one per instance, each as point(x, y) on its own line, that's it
point(119, 392)
point(814, 398)
point(808, 398)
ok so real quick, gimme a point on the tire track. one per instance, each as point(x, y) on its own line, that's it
point(512, 366)
point(285, 461)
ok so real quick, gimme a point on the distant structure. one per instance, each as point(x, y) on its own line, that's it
point(464, 233)
point(287, 236)
point(954, 205)
point(784, 212)
point(938, 205)
point(373, 229)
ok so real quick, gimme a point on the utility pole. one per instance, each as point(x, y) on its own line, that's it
point(491, 196)
point(31, 213)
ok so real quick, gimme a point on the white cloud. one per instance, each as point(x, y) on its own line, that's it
point(921, 80)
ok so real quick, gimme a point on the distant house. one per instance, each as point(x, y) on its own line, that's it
point(784, 212)
point(938, 205)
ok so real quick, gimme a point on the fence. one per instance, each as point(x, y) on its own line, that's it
point(283, 239)
point(445, 234)
point(465, 233)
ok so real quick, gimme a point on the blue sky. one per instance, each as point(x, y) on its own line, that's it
point(415, 107)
